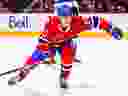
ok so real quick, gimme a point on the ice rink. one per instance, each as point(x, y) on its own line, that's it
point(103, 71)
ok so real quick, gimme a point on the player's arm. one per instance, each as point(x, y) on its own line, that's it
point(46, 23)
point(84, 24)
point(44, 29)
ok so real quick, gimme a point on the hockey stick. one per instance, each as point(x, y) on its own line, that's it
point(17, 69)
point(31, 68)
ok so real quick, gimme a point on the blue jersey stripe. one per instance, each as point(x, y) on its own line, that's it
point(61, 1)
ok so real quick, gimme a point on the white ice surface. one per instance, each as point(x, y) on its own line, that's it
point(104, 72)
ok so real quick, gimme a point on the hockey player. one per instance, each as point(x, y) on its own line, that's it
point(62, 30)
point(59, 35)
point(48, 42)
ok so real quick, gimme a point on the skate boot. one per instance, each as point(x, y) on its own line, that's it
point(12, 81)
point(63, 83)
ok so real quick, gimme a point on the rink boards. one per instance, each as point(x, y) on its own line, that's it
point(30, 25)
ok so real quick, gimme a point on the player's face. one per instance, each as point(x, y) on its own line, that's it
point(67, 20)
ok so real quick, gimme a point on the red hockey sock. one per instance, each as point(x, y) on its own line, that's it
point(66, 75)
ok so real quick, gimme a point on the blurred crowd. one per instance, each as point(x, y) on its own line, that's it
point(114, 6)
point(110, 6)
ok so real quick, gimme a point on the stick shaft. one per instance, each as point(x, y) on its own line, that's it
point(17, 69)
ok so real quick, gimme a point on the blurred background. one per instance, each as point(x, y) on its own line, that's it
point(107, 6)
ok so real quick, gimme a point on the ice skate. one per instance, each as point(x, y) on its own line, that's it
point(12, 81)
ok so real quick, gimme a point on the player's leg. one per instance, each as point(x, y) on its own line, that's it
point(67, 60)
point(33, 60)
point(64, 75)
point(51, 53)
point(76, 54)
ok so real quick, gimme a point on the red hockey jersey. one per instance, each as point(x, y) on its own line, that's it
point(56, 32)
